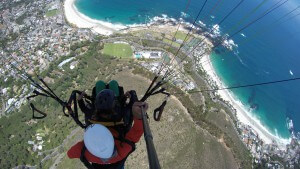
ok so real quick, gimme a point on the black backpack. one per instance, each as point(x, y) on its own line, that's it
point(123, 122)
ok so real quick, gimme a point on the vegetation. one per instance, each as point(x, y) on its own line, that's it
point(180, 35)
point(17, 129)
point(118, 49)
point(171, 42)
point(21, 18)
point(239, 151)
point(220, 128)
point(11, 37)
point(3, 42)
point(51, 13)
point(212, 121)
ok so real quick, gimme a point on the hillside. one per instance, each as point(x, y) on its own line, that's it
point(186, 137)
point(179, 142)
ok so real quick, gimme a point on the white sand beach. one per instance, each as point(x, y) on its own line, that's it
point(243, 114)
point(81, 21)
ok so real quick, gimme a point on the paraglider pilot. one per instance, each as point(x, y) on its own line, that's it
point(101, 147)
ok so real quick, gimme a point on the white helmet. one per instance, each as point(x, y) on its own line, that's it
point(99, 141)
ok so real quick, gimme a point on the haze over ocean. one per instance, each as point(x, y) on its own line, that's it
point(267, 51)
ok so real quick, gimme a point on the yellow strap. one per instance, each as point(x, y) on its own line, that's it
point(108, 124)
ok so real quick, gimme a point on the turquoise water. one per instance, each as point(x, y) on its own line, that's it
point(270, 55)
point(138, 55)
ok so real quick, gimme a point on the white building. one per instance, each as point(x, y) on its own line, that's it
point(148, 54)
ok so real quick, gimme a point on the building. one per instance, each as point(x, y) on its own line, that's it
point(148, 54)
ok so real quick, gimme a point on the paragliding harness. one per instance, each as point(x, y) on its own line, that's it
point(45, 91)
point(121, 123)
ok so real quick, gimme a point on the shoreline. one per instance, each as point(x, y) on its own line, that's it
point(78, 19)
point(73, 16)
point(242, 114)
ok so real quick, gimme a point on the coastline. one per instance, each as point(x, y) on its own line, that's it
point(73, 16)
point(243, 115)
point(81, 21)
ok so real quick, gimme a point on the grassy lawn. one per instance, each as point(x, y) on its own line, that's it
point(51, 13)
point(180, 35)
point(118, 50)
point(170, 42)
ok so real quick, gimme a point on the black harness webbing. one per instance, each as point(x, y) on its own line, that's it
point(74, 114)
point(35, 109)
point(86, 163)
point(153, 90)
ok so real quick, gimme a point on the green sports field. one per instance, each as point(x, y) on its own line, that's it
point(180, 35)
point(118, 50)
point(51, 13)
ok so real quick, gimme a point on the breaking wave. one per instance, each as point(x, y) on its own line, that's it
point(184, 15)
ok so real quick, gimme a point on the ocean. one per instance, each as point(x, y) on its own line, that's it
point(266, 51)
